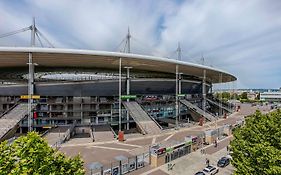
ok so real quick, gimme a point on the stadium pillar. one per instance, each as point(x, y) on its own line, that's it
point(220, 106)
point(204, 91)
point(31, 79)
point(120, 72)
point(128, 93)
point(180, 77)
point(177, 98)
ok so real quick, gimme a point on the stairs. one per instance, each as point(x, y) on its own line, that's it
point(146, 124)
point(9, 121)
point(198, 110)
point(219, 105)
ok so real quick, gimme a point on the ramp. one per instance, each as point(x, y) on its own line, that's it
point(197, 110)
point(219, 105)
point(10, 120)
point(146, 123)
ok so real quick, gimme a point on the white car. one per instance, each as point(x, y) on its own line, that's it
point(211, 170)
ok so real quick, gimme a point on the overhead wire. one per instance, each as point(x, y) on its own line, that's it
point(41, 34)
point(38, 37)
point(37, 33)
point(15, 32)
point(118, 46)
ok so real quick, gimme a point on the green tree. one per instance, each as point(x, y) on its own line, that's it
point(32, 155)
point(244, 96)
point(235, 96)
point(226, 95)
point(257, 145)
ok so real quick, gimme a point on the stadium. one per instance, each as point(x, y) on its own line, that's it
point(122, 91)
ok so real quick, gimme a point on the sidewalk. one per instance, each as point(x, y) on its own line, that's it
point(195, 161)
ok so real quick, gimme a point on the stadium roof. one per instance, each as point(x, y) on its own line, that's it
point(11, 57)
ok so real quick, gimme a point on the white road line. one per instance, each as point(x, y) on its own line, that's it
point(153, 140)
point(126, 144)
point(104, 147)
point(169, 137)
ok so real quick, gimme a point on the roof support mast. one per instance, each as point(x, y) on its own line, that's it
point(31, 78)
point(177, 87)
point(128, 37)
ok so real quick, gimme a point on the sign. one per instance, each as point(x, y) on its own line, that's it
point(30, 97)
point(161, 151)
point(168, 150)
point(188, 142)
point(124, 97)
point(181, 95)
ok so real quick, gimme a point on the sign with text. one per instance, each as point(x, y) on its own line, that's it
point(30, 97)
point(124, 97)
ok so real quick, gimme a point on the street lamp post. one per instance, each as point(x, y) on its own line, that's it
point(120, 83)
point(128, 92)
point(177, 98)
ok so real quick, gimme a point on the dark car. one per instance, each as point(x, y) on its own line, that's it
point(199, 173)
point(223, 162)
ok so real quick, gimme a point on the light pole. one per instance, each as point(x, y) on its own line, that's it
point(180, 78)
point(177, 98)
point(128, 92)
point(120, 88)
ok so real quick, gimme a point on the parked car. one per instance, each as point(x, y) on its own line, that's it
point(223, 162)
point(199, 173)
point(211, 170)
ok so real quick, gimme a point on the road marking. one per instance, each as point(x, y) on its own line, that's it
point(169, 137)
point(126, 144)
point(104, 147)
point(153, 140)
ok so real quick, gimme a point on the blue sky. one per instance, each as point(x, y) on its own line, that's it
point(241, 37)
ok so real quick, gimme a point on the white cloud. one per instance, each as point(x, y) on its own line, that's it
point(242, 37)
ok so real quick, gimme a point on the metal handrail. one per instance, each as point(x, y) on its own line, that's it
point(8, 110)
point(152, 118)
point(138, 122)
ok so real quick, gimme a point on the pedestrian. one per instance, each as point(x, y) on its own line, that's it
point(207, 162)
point(216, 143)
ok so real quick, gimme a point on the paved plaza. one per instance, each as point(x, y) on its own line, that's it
point(106, 151)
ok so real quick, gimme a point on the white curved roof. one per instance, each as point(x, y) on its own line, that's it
point(53, 57)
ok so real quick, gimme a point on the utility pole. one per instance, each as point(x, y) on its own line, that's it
point(31, 78)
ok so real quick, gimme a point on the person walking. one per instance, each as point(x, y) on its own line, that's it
point(207, 162)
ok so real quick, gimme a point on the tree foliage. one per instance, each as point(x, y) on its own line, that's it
point(32, 155)
point(244, 95)
point(257, 145)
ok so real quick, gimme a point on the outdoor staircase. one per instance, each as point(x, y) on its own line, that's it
point(146, 123)
point(219, 105)
point(197, 110)
point(10, 120)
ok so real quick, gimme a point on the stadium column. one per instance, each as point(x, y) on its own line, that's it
point(128, 92)
point(177, 98)
point(204, 92)
point(221, 90)
point(180, 78)
point(31, 79)
point(30, 90)
point(120, 72)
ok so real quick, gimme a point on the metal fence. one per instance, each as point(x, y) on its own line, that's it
point(122, 165)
